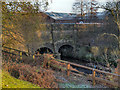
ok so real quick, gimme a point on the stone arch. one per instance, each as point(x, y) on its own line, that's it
point(44, 45)
point(66, 51)
point(60, 43)
point(65, 46)
point(44, 49)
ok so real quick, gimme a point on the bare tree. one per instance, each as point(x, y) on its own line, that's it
point(114, 9)
point(79, 7)
point(83, 7)
point(42, 5)
point(93, 7)
point(113, 12)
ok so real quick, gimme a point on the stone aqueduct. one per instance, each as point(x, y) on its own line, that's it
point(56, 36)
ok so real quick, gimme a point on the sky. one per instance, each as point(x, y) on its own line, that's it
point(65, 6)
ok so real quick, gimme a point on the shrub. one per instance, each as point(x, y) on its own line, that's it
point(44, 78)
point(35, 74)
point(95, 50)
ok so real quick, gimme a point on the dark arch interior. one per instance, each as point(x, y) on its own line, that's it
point(44, 50)
point(66, 52)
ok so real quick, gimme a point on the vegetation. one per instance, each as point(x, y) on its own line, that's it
point(9, 81)
point(23, 24)
point(112, 52)
point(83, 7)
point(114, 9)
point(29, 71)
point(20, 20)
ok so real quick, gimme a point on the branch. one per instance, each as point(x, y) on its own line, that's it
point(15, 38)
point(110, 35)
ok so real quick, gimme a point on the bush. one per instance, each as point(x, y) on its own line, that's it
point(42, 77)
point(29, 72)
point(95, 50)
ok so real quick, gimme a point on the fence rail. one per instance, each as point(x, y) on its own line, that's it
point(13, 49)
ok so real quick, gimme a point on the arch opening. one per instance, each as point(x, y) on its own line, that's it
point(66, 52)
point(44, 50)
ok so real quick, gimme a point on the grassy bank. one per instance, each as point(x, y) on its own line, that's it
point(10, 82)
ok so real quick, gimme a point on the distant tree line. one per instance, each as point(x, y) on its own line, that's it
point(82, 7)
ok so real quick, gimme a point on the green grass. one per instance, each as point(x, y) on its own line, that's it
point(10, 82)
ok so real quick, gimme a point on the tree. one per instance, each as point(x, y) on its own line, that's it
point(10, 35)
point(93, 7)
point(112, 52)
point(19, 20)
point(83, 7)
point(114, 9)
point(44, 5)
point(78, 7)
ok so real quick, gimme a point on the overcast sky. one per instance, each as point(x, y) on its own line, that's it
point(64, 5)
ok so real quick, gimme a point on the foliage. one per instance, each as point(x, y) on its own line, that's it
point(95, 50)
point(10, 82)
point(20, 21)
point(110, 56)
point(106, 57)
point(10, 35)
point(109, 52)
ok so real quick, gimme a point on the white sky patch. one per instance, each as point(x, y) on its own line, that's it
point(61, 5)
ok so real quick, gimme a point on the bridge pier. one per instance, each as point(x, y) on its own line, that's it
point(58, 56)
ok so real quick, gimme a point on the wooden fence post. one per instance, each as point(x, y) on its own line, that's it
point(20, 55)
point(68, 70)
point(93, 74)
